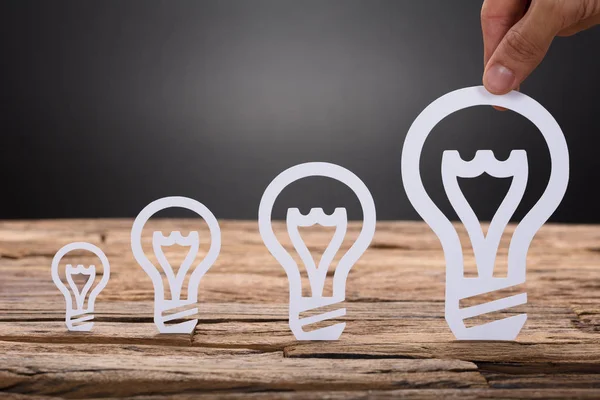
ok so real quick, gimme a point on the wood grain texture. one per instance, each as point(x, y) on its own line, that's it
point(396, 342)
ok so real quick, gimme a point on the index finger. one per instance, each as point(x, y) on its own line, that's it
point(497, 17)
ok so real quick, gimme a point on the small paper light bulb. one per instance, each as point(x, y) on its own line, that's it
point(79, 314)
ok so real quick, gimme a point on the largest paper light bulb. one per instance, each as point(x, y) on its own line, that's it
point(164, 307)
point(298, 303)
point(457, 286)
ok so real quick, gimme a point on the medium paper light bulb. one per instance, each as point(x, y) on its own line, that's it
point(316, 274)
point(163, 305)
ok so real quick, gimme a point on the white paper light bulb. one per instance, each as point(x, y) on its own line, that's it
point(175, 280)
point(79, 314)
point(316, 274)
point(485, 246)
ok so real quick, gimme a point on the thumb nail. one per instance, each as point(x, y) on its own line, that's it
point(498, 79)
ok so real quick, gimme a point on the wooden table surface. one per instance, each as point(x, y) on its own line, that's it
point(396, 342)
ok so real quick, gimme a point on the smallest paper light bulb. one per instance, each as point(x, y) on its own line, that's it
point(78, 314)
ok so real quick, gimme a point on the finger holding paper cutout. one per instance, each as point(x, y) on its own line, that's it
point(167, 310)
point(484, 246)
point(80, 302)
point(316, 274)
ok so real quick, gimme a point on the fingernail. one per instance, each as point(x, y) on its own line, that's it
point(498, 79)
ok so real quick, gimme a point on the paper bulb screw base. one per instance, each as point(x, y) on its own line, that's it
point(311, 305)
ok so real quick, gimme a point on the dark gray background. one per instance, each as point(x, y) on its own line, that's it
point(109, 105)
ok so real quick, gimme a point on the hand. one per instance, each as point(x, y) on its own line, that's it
point(518, 33)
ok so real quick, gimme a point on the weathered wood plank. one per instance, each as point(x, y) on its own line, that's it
point(102, 333)
point(552, 357)
point(116, 350)
point(410, 394)
point(543, 380)
point(84, 376)
point(395, 336)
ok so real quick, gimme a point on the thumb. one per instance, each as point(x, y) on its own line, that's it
point(522, 49)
